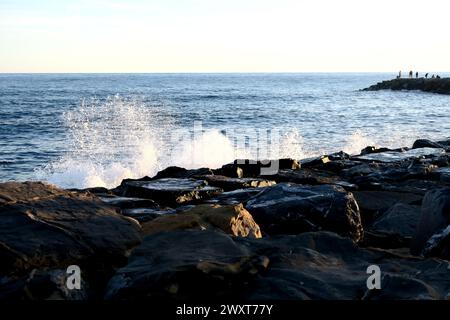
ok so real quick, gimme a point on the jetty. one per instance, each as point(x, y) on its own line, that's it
point(436, 85)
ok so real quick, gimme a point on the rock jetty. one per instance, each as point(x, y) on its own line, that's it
point(436, 85)
point(308, 230)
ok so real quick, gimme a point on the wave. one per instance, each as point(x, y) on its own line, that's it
point(117, 138)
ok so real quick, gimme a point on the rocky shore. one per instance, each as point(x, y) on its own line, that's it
point(308, 230)
point(436, 85)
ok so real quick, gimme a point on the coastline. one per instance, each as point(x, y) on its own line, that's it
point(278, 230)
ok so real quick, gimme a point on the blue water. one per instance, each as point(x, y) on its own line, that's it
point(79, 130)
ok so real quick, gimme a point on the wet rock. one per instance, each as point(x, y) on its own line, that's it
point(394, 156)
point(147, 214)
point(435, 217)
point(443, 175)
point(228, 184)
point(314, 162)
point(235, 196)
point(170, 191)
point(214, 266)
point(372, 149)
point(401, 219)
point(290, 209)
point(232, 219)
point(177, 172)
point(425, 143)
point(61, 228)
point(127, 202)
point(250, 168)
point(438, 245)
point(312, 177)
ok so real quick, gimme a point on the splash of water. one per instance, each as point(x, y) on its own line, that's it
point(107, 142)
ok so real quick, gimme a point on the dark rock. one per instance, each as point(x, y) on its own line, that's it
point(177, 172)
point(235, 196)
point(147, 214)
point(290, 209)
point(186, 265)
point(372, 149)
point(435, 217)
point(401, 219)
point(312, 177)
point(250, 168)
point(228, 184)
point(424, 143)
point(383, 240)
point(443, 175)
point(314, 162)
point(41, 285)
point(232, 219)
point(211, 266)
point(126, 202)
point(170, 191)
point(438, 245)
point(375, 203)
point(45, 227)
point(395, 156)
point(368, 175)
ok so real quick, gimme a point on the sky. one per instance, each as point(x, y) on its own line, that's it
point(224, 35)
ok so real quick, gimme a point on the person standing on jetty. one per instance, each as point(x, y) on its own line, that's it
point(417, 75)
point(410, 74)
point(399, 74)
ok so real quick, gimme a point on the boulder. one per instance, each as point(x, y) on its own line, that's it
point(214, 267)
point(289, 208)
point(231, 219)
point(251, 168)
point(61, 228)
point(435, 217)
point(170, 191)
point(177, 172)
point(425, 143)
point(188, 264)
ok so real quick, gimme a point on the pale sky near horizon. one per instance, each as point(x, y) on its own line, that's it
point(224, 35)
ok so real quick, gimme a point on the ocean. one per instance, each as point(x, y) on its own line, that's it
point(86, 130)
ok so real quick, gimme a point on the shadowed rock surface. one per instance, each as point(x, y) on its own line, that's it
point(205, 265)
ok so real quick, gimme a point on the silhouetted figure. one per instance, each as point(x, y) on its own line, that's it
point(399, 74)
point(426, 75)
point(417, 75)
point(438, 77)
point(432, 77)
point(410, 74)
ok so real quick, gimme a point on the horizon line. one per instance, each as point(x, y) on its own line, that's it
point(216, 72)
